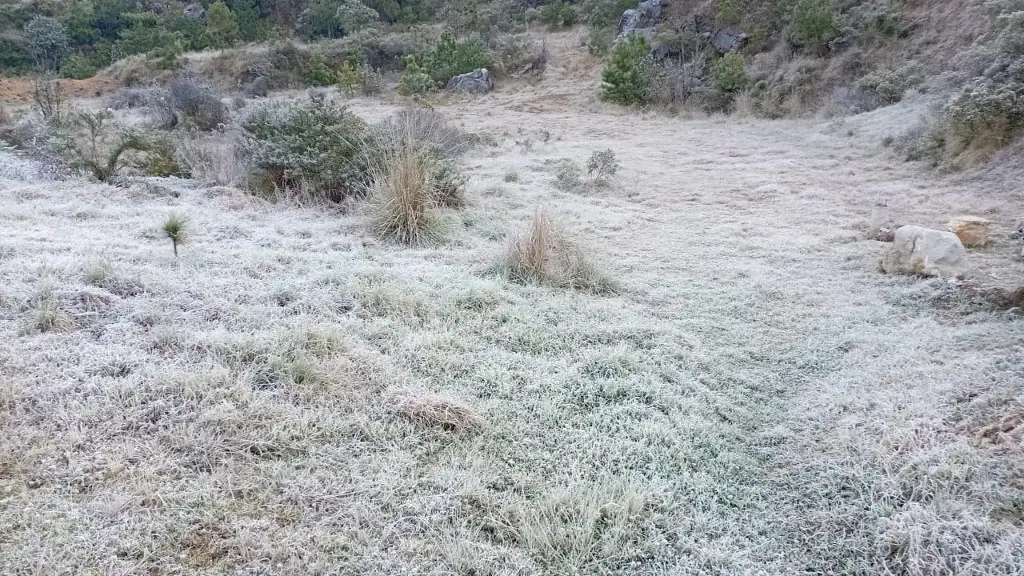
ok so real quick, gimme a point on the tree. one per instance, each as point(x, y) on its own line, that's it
point(222, 30)
point(354, 16)
point(48, 42)
point(319, 20)
point(626, 79)
point(80, 23)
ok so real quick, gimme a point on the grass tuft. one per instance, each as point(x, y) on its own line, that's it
point(434, 412)
point(402, 200)
point(545, 254)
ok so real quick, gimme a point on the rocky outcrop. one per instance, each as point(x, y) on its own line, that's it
point(725, 41)
point(476, 82)
point(917, 250)
point(639, 21)
point(195, 12)
point(258, 88)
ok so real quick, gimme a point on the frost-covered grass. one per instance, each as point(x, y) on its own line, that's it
point(289, 395)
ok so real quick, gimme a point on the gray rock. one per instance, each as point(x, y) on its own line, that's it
point(927, 252)
point(639, 21)
point(195, 12)
point(258, 88)
point(726, 41)
point(476, 82)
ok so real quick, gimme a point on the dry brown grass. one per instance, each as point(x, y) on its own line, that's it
point(402, 202)
point(545, 254)
point(434, 412)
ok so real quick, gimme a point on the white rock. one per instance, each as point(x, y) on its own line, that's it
point(917, 250)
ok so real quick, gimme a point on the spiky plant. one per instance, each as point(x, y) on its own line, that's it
point(176, 228)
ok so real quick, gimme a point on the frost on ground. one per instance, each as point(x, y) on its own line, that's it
point(288, 396)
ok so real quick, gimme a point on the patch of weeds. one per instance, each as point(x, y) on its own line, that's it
point(602, 166)
point(568, 176)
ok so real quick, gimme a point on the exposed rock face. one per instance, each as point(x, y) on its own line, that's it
point(258, 88)
point(971, 230)
point(917, 250)
point(476, 82)
point(195, 12)
point(726, 41)
point(639, 21)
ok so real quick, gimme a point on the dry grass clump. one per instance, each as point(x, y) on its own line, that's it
point(402, 200)
point(435, 412)
point(47, 314)
point(209, 158)
point(546, 255)
point(428, 129)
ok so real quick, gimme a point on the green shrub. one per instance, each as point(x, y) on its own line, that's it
point(604, 13)
point(602, 165)
point(222, 27)
point(414, 81)
point(599, 41)
point(627, 78)
point(557, 14)
point(359, 78)
point(729, 73)
point(48, 42)
point(353, 16)
point(986, 112)
point(730, 11)
point(889, 84)
point(317, 71)
point(293, 144)
point(451, 58)
point(14, 53)
point(162, 159)
point(77, 66)
point(812, 24)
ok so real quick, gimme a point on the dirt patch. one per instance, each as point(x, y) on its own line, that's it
point(1007, 431)
point(19, 90)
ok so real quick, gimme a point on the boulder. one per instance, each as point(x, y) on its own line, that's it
point(195, 12)
point(725, 41)
point(917, 250)
point(639, 21)
point(971, 230)
point(258, 88)
point(476, 82)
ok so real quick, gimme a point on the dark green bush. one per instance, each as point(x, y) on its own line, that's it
point(415, 82)
point(557, 14)
point(317, 71)
point(812, 24)
point(451, 57)
point(293, 144)
point(604, 13)
point(729, 73)
point(627, 79)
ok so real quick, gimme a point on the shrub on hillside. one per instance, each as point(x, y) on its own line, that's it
point(557, 14)
point(627, 77)
point(414, 81)
point(604, 13)
point(360, 79)
point(889, 84)
point(222, 27)
point(317, 71)
point(353, 16)
point(812, 24)
point(306, 144)
point(452, 57)
point(986, 113)
point(196, 102)
point(48, 42)
point(729, 73)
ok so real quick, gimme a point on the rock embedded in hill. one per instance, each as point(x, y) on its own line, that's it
point(258, 88)
point(971, 230)
point(476, 82)
point(726, 41)
point(918, 250)
point(639, 21)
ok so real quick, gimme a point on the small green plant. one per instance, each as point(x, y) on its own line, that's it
point(557, 14)
point(627, 77)
point(568, 176)
point(602, 165)
point(414, 81)
point(348, 78)
point(162, 158)
point(812, 24)
point(729, 73)
point(176, 229)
